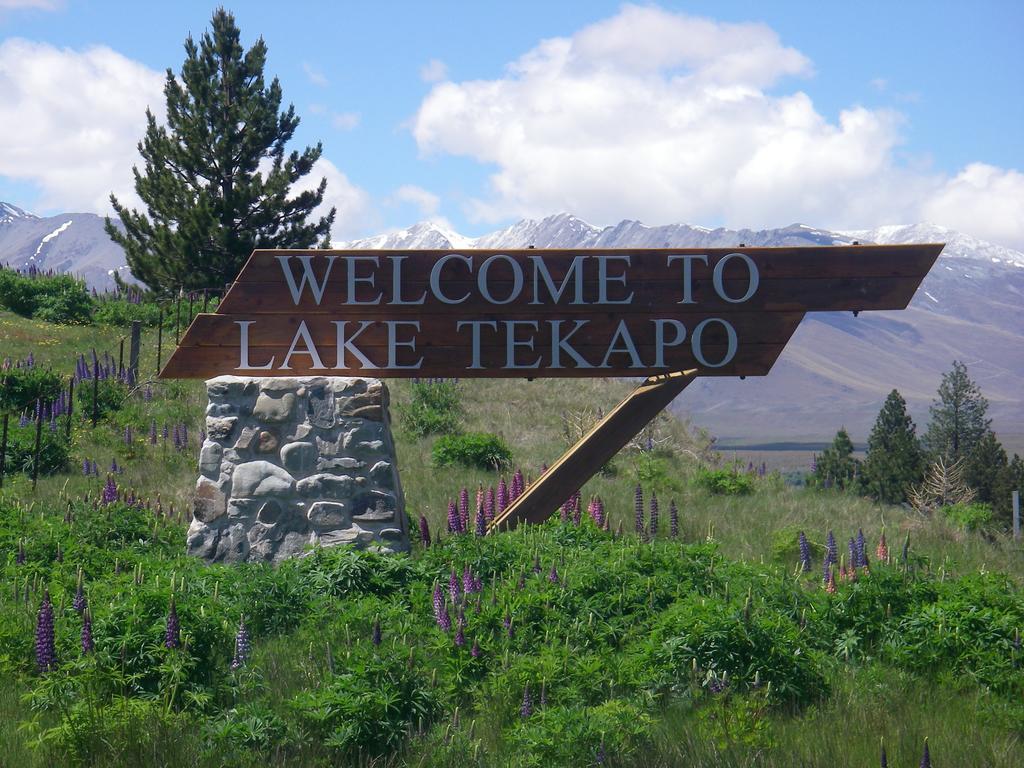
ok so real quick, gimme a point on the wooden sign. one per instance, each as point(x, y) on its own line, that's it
point(534, 313)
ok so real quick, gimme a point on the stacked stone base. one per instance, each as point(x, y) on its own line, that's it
point(289, 463)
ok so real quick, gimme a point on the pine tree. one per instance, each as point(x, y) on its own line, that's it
point(894, 460)
point(216, 180)
point(958, 420)
point(983, 467)
point(837, 467)
point(1010, 479)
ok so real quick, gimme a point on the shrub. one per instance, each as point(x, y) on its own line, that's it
point(969, 517)
point(56, 298)
point(21, 443)
point(435, 409)
point(110, 397)
point(21, 387)
point(724, 482)
point(120, 313)
point(477, 449)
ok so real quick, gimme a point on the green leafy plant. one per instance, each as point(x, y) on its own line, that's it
point(478, 449)
point(21, 387)
point(54, 298)
point(969, 517)
point(435, 409)
point(724, 482)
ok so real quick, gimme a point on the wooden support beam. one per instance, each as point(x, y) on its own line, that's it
point(595, 449)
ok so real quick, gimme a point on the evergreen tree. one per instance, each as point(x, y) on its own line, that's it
point(983, 467)
point(958, 420)
point(894, 460)
point(836, 467)
point(216, 180)
point(1010, 479)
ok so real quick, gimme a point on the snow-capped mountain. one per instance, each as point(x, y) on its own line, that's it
point(68, 242)
point(837, 369)
point(835, 372)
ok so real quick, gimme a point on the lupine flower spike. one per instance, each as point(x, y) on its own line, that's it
point(79, 602)
point(884, 762)
point(172, 635)
point(673, 519)
point(243, 646)
point(830, 582)
point(454, 523)
point(424, 532)
point(926, 758)
point(882, 552)
point(638, 508)
point(87, 643)
point(553, 575)
point(375, 637)
point(464, 510)
point(481, 521)
point(46, 651)
point(654, 514)
point(805, 553)
point(444, 621)
point(527, 708)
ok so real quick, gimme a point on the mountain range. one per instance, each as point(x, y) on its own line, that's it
point(836, 371)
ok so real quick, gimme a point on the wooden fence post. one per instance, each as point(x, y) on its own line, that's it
point(3, 448)
point(1016, 515)
point(133, 349)
point(71, 405)
point(159, 339)
point(120, 360)
point(177, 319)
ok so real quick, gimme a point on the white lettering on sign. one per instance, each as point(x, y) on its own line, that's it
point(394, 343)
point(574, 273)
point(752, 277)
point(659, 339)
point(475, 326)
point(396, 284)
point(603, 278)
point(560, 343)
point(302, 334)
point(243, 349)
point(511, 343)
point(308, 276)
point(435, 277)
point(353, 278)
point(698, 352)
point(517, 279)
point(687, 260)
point(345, 344)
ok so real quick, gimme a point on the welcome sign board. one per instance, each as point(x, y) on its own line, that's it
point(535, 313)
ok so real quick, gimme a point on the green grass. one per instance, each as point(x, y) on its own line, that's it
point(969, 721)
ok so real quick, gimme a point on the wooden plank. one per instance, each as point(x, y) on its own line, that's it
point(775, 295)
point(207, 362)
point(595, 449)
point(440, 330)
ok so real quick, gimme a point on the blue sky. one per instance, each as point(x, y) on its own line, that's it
point(714, 113)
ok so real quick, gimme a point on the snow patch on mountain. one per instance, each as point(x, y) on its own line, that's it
point(47, 238)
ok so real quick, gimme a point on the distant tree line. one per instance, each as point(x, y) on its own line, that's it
point(958, 459)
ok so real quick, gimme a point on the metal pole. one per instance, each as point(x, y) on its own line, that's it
point(133, 349)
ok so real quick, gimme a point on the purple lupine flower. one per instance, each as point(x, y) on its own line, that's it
point(172, 634)
point(454, 588)
point(128, 435)
point(673, 519)
point(454, 523)
point(166, 432)
point(23, 421)
point(152, 432)
point(718, 684)
point(467, 580)
point(884, 762)
point(851, 545)
point(566, 509)
point(87, 643)
point(536, 564)
point(553, 575)
point(805, 553)
point(460, 629)
point(375, 637)
point(926, 758)
point(518, 484)
point(862, 549)
point(243, 646)
point(509, 629)
point(638, 508)
point(599, 756)
point(502, 495)
point(79, 601)
point(489, 505)
point(830, 555)
point(475, 650)
point(464, 509)
point(481, 522)
point(46, 650)
point(109, 495)
point(113, 466)
point(577, 508)
point(95, 469)
point(441, 609)
point(654, 514)
point(598, 513)
point(424, 531)
point(527, 708)
point(147, 393)
point(85, 467)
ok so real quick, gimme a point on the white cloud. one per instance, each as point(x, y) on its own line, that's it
point(433, 71)
point(982, 200)
point(664, 117)
point(345, 121)
point(42, 5)
point(315, 75)
point(355, 215)
point(426, 202)
point(70, 121)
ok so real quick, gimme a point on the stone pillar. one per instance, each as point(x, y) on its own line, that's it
point(291, 462)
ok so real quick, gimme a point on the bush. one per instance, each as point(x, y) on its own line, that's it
point(21, 387)
point(110, 397)
point(56, 299)
point(435, 409)
point(21, 444)
point(724, 482)
point(969, 517)
point(477, 449)
point(120, 313)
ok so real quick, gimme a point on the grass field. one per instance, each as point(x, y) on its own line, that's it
point(930, 654)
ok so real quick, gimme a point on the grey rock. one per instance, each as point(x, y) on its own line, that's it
point(209, 458)
point(299, 458)
point(274, 408)
point(261, 478)
point(343, 464)
point(270, 512)
point(220, 428)
point(209, 502)
point(329, 514)
point(247, 438)
point(320, 410)
point(221, 409)
point(267, 442)
point(326, 486)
